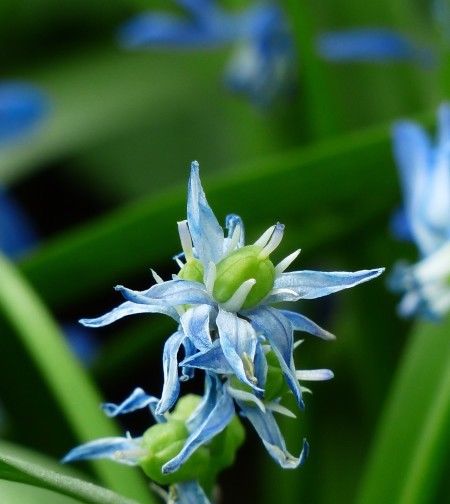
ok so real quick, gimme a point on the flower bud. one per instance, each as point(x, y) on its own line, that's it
point(241, 265)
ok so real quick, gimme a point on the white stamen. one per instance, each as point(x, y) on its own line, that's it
point(274, 241)
point(185, 238)
point(265, 237)
point(178, 261)
point(306, 390)
point(156, 277)
point(236, 301)
point(210, 277)
point(286, 262)
point(298, 343)
point(314, 374)
point(278, 408)
point(242, 395)
point(234, 240)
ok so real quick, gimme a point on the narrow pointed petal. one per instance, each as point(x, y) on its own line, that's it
point(278, 330)
point(119, 449)
point(269, 432)
point(219, 417)
point(207, 234)
point(301, 323)
point(171, 387)
point(195, 324)
point(212, 360)
point(137, 400)
point(314, 374)
point(315, 284)
point(128, 308)
point(190, 493)
point(238, 342)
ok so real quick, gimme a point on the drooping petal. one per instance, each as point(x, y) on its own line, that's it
point(124, 450)
point(207, 234)
point(172, 293)
point(171, 387)
point(195, 323)
point(218, 418)
point(129, 308)
point(137, 400)
point(212, 360)
point(315, 284)
point(301, 323)
point(189, 493)
point(278, 330)
point(238, 342)
point(370, 44)
point(269, 432)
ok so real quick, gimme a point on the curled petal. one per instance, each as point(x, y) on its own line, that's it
point(301, 323)
point(129, 308)
point(120, 449)
point(195, 323)
point(137, 400)
point(212, 360)
point(269, 432)
point(315, 284)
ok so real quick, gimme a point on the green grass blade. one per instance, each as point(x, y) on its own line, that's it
point(45, 348)
point(15, 469)
point(413, 436)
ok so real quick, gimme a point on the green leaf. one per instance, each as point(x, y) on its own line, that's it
point(44, 347)
point(15, 469)
point(413, 435)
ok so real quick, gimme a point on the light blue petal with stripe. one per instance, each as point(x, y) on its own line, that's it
point(137, 400)
point(301, 323)
point(212, 360)
point(195, 323)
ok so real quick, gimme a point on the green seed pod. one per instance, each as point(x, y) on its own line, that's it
point(192, 270)
point(241, 265)
point(185, 407)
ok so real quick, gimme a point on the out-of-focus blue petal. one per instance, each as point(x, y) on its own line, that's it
point(137, 400)
point(129, 308)
point(400, 227)
point(371, 45)
point(207, 234)
point(172, 293)
point(278, 330)
point(212, 360)
point(16, 232)
point(315, 374)
point(190, 493)
point(120, 449)
point(315, 284)
point(171, 387)
point(218, 418)
point(81, 342)
point(195, 324)
point(22, 107)
point(238, 342)
point(301, 323)
point(269, 432)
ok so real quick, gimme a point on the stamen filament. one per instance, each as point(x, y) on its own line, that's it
point(265, 237)
point(185, 238)
point(236, 301)
point(286, 262)
point(274, 241)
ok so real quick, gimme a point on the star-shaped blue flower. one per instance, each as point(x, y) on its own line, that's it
point(424, 170)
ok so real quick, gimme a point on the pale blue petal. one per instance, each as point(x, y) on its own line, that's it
point(444, 124)
point(301, 323)
point(171, 387)
point(213, 388)
point(400, 226)
point(269, 432)
point(237, 339)
point(278, 330)
point(137, 400)
point(315, 284)
point(22, 107)
point(280, 295)
point(189, 350)
point(260, 366)
point(129, 308)
point(119, 449)
point(207, 234)
point(370, 45)
point(190, 493)
point(195, 323)
point(172, 293)
point(212, 360)
point(219, 417)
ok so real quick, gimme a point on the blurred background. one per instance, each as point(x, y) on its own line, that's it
point(99, 181)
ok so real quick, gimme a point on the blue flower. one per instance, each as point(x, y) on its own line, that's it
point(22, 107)
point(263, 65)
point(425, 178)
point(371, 45)
point(222, 299)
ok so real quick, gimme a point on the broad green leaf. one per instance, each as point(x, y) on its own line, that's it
point(44, 347)
point(413, 436)
point(15, 469)
point(321, 193)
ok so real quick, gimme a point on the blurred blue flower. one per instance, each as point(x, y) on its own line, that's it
point(22, 107)
point(263, 64)
point(424, 171)
point(371, 45)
